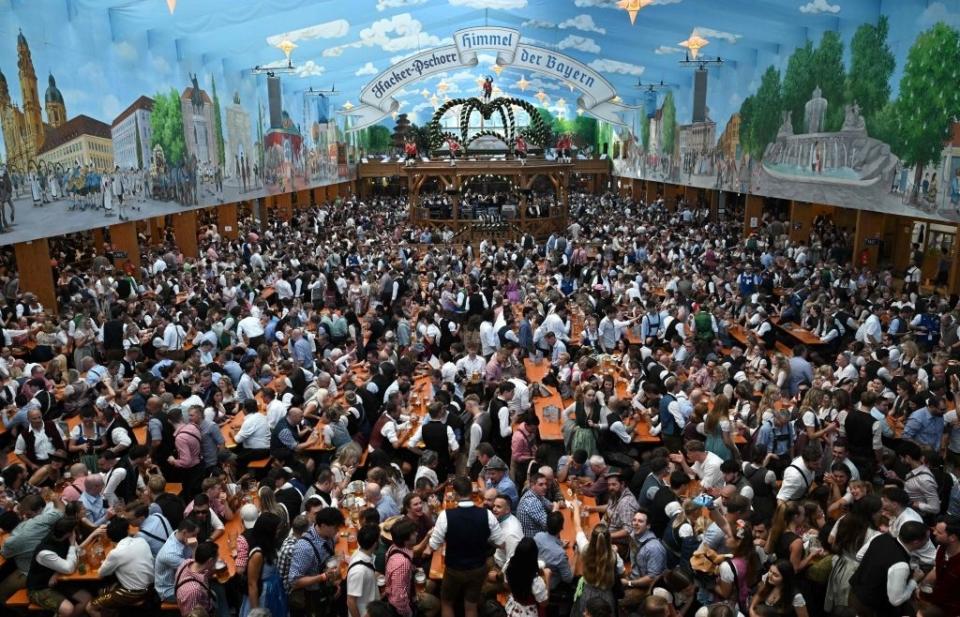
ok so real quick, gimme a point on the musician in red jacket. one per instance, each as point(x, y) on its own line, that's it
point(520, 149)
point(410, 151)
point(454, 147)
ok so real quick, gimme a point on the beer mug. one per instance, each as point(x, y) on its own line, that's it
point(420, 578)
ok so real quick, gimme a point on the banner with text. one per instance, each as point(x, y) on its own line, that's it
point(378, 101)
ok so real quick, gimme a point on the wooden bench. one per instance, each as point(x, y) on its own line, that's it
point(20, 599)
point(259, 464)
point(167, 607)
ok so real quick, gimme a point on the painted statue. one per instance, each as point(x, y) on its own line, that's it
point(852, 120)
point(487, 89)
point(814, 111)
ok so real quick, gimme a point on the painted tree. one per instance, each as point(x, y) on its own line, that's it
point(378, 139)
point(218, 124)
point(831, 77)
point(929, 100)
point(871, 66)
point(585, 132)
point(746, 125)
point(166, 124)
point(139, 146)
point(548, 122)
point(668, 124)
point(799, 80)
point(763, 114)
point(645, 131)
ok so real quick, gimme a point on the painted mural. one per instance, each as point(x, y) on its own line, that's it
point(863, 117)
point(183, 144)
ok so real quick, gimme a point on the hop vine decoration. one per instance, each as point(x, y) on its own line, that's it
point(535, 134)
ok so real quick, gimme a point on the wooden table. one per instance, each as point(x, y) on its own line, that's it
point(796, 332)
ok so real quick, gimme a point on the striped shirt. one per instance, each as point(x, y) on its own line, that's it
point(310, 555)
point(284, 559)
point(399, 572)
point(193, 589)
point(532, 512)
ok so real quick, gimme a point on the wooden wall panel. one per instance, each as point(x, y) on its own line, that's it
point(124, 238)
point(185, 232)
point(36, 275)
point(227, 221)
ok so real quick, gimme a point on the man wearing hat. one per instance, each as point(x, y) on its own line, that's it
point(498, 479)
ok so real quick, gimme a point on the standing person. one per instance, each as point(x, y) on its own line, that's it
point(399, 588)
point(263, 581)
point(178, 548)
point(602, 565)
point(361, 575)
point(528, 589)
point(946, 576)
point(883, 584)
point(312, 585)
point(468, 531)
point(131, 562)
point(192, 580)
point(187, 442)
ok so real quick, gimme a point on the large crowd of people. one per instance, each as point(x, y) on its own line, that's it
point(206, 434)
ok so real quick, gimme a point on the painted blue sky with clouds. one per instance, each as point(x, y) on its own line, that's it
point(106, 53)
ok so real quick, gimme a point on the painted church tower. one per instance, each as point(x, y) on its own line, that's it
point(31, 95)
point(53, 103)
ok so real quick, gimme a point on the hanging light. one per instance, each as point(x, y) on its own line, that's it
point(523, 84)
point(286, 46)
point(348, 105)
point(695, 43)
point(172, 5)
point(632, 7)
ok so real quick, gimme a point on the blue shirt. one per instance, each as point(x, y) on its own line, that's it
point(508, 488)
point(210, 441)
point(648, 555)
point(778, 441)
point(155, 371)
point(924, 428)
point(387, 507)
point(156, 530)
point(232, 368)
point(304, 561)
point(169, 557)
point(18, 419)
point(95, 506)
point(550, 550)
